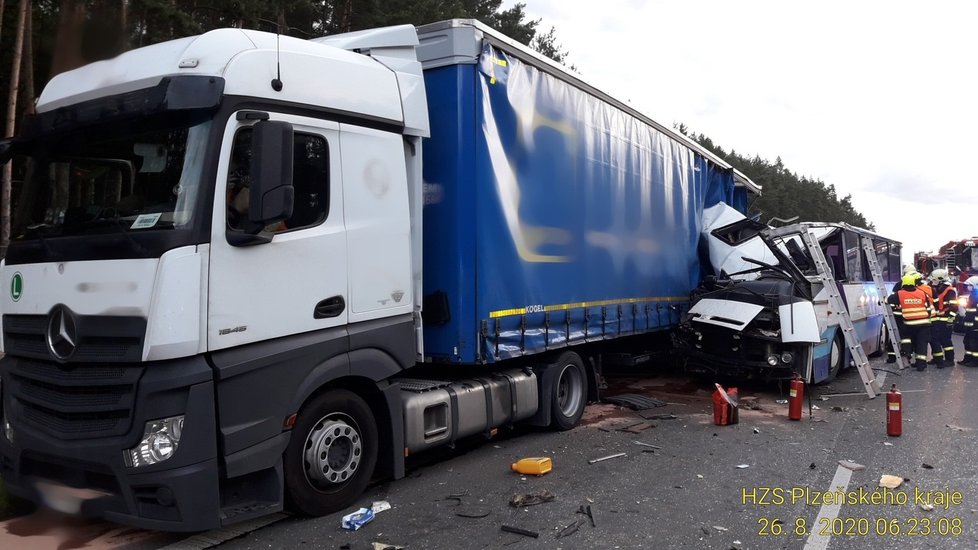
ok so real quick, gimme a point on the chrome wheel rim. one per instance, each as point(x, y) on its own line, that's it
point(333, 451)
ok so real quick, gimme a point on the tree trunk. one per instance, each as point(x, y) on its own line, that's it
point(68, 41)
point(29, 62)
point(11, 119)
point(124, 25)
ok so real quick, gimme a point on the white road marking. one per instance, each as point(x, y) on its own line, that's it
point(828, 512)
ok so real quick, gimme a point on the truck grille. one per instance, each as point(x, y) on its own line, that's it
point(74, 401)
point(101, 338)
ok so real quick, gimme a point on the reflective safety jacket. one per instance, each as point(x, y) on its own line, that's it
point(971, 311)
point(946, 303)
point(927, 289)
point(913, 306)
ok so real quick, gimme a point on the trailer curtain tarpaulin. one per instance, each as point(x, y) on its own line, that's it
point(585, 221)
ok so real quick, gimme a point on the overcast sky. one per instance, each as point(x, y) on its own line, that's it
point(878, 98)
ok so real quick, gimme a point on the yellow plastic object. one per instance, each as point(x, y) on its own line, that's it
point(536, 466)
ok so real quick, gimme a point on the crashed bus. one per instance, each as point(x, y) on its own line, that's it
point(765, 312)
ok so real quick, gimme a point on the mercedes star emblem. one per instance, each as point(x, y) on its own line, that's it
point(62, 334)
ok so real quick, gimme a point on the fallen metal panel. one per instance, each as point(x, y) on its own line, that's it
point(724, 313)
point(799, 323)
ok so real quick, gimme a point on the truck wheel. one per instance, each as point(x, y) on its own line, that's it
point(569, 391)
point(332, 453)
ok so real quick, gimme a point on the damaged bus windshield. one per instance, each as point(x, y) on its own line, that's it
point(98, 193)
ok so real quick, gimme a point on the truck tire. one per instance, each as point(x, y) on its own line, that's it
point(569, 391)
point(332, 453)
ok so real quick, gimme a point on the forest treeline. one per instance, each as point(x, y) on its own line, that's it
point(786, 194)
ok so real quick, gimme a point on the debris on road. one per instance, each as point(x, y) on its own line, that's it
point(840, 409)
point(380, 506)
point(811, 466)
point(386, 546)
point(570, 529)
point(721, 529)
point(476, 513)
point(537, 466)
point(586, 510)
point(958, 428)
point(854, 466)
point(647, 445)
point(358, 519)
point(634, 401)
point(757, 431)
point(887, 444)
point(890, 482)
point(531, 499)
point(750, 402)
point(660, 417)
point(518, 531)
point(743, 466)
point(926, 466)
point(781, 401)
point(637, 428)
point(927, 507)
point(609, 457)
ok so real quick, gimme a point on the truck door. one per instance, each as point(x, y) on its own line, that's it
point(297, 282)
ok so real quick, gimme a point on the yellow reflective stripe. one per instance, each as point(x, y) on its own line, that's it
point(576, 305)
point(916, 322)
point(949, 348)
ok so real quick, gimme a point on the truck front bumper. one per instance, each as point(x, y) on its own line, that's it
point(72, 426)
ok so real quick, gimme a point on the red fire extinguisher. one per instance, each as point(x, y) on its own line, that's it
point(894, 412)
point(796, 394)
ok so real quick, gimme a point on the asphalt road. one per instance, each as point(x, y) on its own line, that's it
point(688, 494)
point(691, 493)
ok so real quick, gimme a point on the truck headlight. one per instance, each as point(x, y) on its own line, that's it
point(160, 441)
point(786, 357)
point(772, 360)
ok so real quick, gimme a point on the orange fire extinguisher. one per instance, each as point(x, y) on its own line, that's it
point(894, 412)
point(796, 394)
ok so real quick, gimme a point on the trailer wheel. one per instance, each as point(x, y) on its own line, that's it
point(332, 453)
point(569, 391)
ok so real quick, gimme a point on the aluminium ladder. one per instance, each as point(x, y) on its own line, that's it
point(838, 306)
point(888, 317)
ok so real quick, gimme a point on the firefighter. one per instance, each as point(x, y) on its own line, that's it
point(921, 283)
point(914, 307)
point(945, 312)
point(905, 343)
point(971, 324)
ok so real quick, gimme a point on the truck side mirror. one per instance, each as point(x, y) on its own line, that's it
point(271, 195)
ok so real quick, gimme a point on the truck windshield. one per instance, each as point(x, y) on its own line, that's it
point(120, 179)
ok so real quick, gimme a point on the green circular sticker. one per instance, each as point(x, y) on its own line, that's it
point(17, 286)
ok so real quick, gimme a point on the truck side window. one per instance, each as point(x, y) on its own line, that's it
point(310, 178)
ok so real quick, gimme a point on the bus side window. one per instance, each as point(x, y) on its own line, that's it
point(833, 253)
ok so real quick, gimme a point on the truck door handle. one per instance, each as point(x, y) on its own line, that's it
point(330, 307)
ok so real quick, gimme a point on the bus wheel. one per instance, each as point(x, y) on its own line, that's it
point(332, 453)
point(569, 391)
point(880, 342)
point(835, 358)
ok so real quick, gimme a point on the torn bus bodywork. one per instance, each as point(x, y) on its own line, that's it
point(765, 314)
